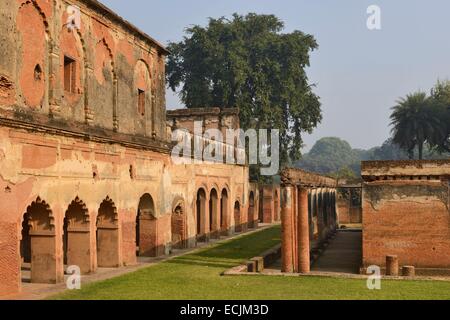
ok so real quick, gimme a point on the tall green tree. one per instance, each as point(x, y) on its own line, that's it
point(329, 156)
point(415, 121)
point(247, 62)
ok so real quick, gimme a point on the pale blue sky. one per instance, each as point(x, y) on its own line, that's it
point(359, 73)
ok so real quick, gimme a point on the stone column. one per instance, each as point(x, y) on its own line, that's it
point(287, 218)
point(295, 227)
point(392, 266)
point(320, 214)
point(335, 222)
point(408, 271)
point(54, 82)
point(313, 206)
point(303, 232)
point(206, 218)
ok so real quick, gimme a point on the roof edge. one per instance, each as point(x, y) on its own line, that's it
point(107, 12)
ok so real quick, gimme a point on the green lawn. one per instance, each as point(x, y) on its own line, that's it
point(197, 276)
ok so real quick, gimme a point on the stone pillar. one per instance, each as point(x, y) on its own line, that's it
point(287, 218)
point(115, 103)
point(409, 271)
point(225, 216)
point(295, 228)
point(214, 212)
point(55, 91)
point(320, 214)
point(335, 220)
point(392, 266)
point(206, 231)
point(303, 232)
point(313, 204)
point(44, 265)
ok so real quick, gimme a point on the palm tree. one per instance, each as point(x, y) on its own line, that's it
point(415, 121)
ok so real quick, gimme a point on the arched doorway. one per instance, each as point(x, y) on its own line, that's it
point(108, 235)
point(38, 245)
point(310, 214)
point(214, 223)
point(76, 236)
point(224, 213)
point(237, 217)
point(201, 216)
point(146, 228)
point(251, 220)
point(179, 231)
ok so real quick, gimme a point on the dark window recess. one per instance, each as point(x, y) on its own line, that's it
point(141, 102)
point(37, 73)
point(69, 75)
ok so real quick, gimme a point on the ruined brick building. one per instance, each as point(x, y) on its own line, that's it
point(403, 207)
point(406, 214)
point(86, 176)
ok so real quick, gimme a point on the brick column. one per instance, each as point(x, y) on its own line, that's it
point(320, 214)
point(334, 209)
point(295, 206)
point(392, 266)
point(303, 232)
point(287, 219)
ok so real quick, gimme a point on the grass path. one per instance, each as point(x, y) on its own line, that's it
point(196, 276)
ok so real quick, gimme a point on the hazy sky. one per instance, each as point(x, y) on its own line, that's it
point(359, 73)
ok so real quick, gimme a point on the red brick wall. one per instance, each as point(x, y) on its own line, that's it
point(409, 219)
point(9, 259)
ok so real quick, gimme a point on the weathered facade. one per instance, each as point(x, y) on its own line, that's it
point(308, 216)
point(406, 214)
point(86, 175)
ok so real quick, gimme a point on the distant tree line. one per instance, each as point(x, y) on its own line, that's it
point(420, 130)
point(335, 157)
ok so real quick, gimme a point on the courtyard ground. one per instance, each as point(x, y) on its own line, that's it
point(197, 276)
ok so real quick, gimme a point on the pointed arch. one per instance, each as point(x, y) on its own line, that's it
point(146, 227)
point(179, 224)
point(77, 236)
point(224, 212)
point(214, 213)
point(108, 234)
point(34, 46)
point(38, 244)
point(201, 215)
point(73, 65)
